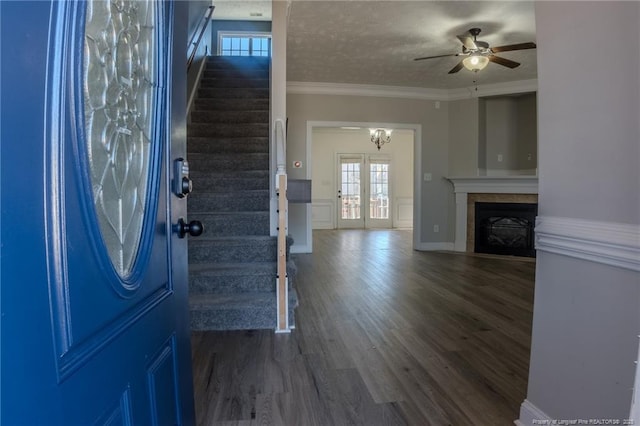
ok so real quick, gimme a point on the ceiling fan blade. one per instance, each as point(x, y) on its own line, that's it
point(519, 46)
point(467, 41)
point(456, 68)
point(504, 62)
point(437, 56)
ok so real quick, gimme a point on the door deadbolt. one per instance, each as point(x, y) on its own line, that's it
point(182, 184)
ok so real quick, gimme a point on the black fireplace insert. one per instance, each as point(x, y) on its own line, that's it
point(505, 228)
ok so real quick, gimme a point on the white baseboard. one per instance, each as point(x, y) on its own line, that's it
point(297, 248)
point(435, 246)
point(529, 413)
point(609, 243)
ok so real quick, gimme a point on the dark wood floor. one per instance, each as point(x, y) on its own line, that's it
point(385, 335)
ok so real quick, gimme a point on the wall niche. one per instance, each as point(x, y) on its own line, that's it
point(507, 135)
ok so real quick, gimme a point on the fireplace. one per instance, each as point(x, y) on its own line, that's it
point(505, 228)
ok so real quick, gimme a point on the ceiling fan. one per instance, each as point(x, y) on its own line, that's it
point(478, 53)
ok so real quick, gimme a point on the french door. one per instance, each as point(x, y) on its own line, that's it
point(364, 199)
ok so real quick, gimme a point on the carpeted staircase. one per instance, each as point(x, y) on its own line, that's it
point(232, 266)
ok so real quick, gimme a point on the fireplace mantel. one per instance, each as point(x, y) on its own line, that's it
point(495, 184)
point(464, 185)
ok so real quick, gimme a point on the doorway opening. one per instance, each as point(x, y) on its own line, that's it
point(386, 190)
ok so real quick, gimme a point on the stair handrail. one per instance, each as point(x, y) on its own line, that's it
point(282, 280)
point(194, 45)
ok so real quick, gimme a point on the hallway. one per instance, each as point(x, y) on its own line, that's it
point(385, 335)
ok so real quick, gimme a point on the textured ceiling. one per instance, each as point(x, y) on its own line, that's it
point(374, 42)
point(243, 10)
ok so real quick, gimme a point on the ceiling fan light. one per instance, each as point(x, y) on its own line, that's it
point(475, 62)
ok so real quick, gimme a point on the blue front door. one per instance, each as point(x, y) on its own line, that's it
point(94, 293)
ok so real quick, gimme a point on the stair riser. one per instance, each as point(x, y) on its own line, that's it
point(260, 73)
point(218, 184)
point(202, 251)
point(228, 130)
point(229, 284)
point(233, 93)
point(237, 319)
point(230, 161)
point(230, 117)
point(243, 83)
point(233, 284)
point(230, 104)
point(228, 145)
point(237, 62)
point(226, 225)
point(228, 203)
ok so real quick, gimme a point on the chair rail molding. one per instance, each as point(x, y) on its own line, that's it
point(609, 243)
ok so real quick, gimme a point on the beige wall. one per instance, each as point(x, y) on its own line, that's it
point(436, 195)
point(328, 142)
point(527, 132)
point(481, 129)
point(464, 131)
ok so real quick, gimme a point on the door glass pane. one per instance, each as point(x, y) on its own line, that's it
point(350, 190)
point(119, 86)
point(379, 191)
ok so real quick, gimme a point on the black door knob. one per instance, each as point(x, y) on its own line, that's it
point(193, 228)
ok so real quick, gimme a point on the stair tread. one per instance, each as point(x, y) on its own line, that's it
point(233, 238)
point(244, 192)
point(226, 301)
point(240, 175)
point(229, 139)
point(231, 268)
point(234, 79)
point(261, 300)
point(236, 213)
point(227, 155)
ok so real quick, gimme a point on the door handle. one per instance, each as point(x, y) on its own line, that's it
point(193, 228)
point(339, 193)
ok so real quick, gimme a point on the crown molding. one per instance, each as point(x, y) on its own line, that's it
point(312, 88)
point(421, 93)
point(507, 88)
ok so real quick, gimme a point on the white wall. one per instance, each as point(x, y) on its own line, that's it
point(328, 142)
point(437, 196)
point(587, 301)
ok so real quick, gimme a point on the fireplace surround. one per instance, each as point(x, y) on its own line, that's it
point(505, 228)
point(475, 189)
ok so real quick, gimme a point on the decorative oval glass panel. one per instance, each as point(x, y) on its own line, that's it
point(120, 56)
